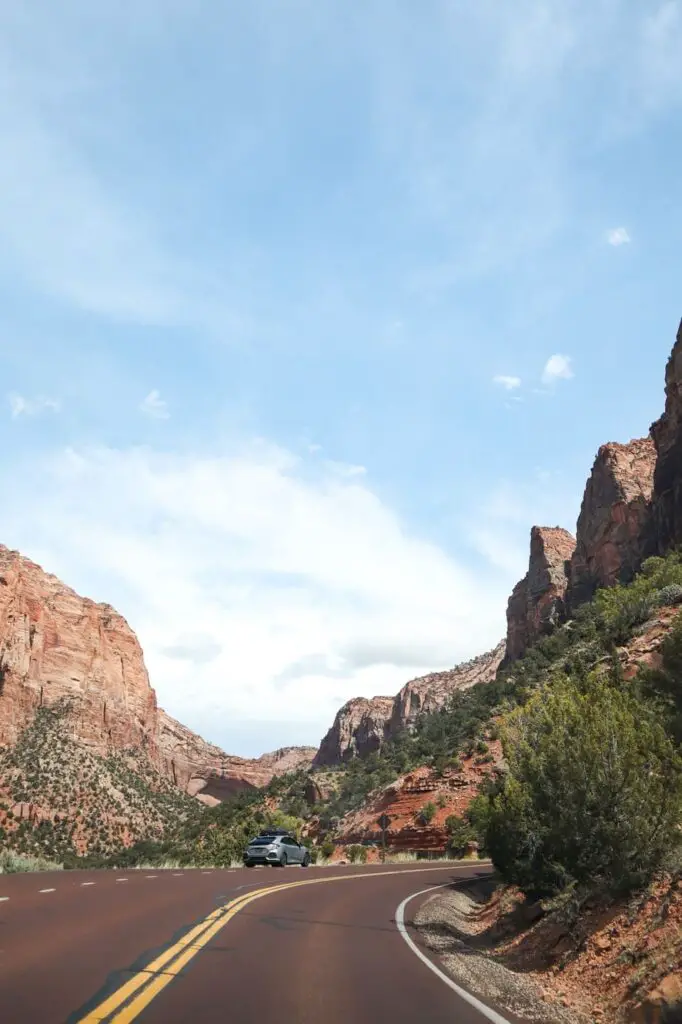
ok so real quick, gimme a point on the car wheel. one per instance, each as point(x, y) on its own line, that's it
point(283, 861)
point(305, 863)
point(248, 864)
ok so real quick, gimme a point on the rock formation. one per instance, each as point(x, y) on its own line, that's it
point(202, 769)
point(667, 436)
point(429, 693)
point(614, 522)
point(55, 644)
point(538, 602)
point(360, 727)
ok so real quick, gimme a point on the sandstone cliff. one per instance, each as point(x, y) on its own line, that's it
point(429, 693)
point(360, 727)
point(206, 771)
point(667, 436)
point(614, 522)
point(56, 646)
point(538, 602)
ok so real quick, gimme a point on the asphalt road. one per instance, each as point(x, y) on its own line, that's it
point(244, 947)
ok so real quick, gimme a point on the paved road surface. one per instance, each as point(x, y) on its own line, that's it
point(220, 947)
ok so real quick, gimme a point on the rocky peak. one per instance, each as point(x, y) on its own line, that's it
point(667, 436)
point(429, 693)
point(538, 602)
point(57, 646)
point(360, 727)
point(614, 520)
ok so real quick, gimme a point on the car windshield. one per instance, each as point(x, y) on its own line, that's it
point(262, 841)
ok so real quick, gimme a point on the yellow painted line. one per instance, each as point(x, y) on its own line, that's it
point(158, 974)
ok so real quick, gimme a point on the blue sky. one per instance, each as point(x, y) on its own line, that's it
point(311, 310)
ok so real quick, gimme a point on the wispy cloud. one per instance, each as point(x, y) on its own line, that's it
point(507, 382)
point(154, 406)
point(618, 236)
point(22, 406)
point(557, 368)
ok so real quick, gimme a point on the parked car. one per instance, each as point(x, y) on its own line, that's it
point(276, 848)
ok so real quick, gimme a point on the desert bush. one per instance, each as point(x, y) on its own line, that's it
point(670, 595)
point(593, 794)
point(427, 813)
point(327, 849)
point(357, 853)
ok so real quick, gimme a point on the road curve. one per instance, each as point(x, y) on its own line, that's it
point(164, 947)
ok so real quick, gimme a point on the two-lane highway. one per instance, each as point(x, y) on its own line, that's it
point(164, 947)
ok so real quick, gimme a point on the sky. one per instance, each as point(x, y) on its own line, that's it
point(310, 310)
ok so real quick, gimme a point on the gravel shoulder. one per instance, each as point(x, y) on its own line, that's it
point(450, 925)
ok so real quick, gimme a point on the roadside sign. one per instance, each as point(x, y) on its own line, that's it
point(383, 822)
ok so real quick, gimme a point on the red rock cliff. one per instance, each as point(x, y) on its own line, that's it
point(56, 644)
point(667, 436)
point(538, 602)
point(614, 519)
point(205, 770)
point(360, 727)
point(429, 693)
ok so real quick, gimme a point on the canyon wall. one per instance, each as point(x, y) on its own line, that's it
point(55, 644)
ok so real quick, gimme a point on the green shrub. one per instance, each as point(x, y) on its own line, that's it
point(327, 849)
point(670, 595)
point(427, 813)
point(357, 853)
point(594, 790)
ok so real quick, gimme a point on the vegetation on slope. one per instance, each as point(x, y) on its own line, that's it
point(75, 801)
point(592, 786)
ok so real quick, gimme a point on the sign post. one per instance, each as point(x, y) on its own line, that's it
point(383, 823)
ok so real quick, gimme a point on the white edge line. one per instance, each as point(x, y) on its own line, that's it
point(87, 883)
point(47, 890)
point(484, 1010)
point(3, 899)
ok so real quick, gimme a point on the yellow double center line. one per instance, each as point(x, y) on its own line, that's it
point(128, 1001)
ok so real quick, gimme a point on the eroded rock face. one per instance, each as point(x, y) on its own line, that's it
point(538, 602)
point(201, 768)
point(55, 644)
point(360, 727)
point(429, 693)
point(614, 524)
point(667, 436)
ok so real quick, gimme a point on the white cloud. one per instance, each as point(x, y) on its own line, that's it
point(21, 406)
point(557, 367)
point(618, 236)
point(154, 406)
point(251, 578)
point(509, 383)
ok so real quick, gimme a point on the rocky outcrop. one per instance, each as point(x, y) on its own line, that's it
point(449, 792)
point(429, 693)
point(538, 602)
point(204, 770)
point(614, 524)
point(360, 727)
point(667, 435)
point(56, 646)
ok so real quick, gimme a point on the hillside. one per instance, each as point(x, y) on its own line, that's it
point(88, 761)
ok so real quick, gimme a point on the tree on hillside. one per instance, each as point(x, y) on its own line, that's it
point(594, 790)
